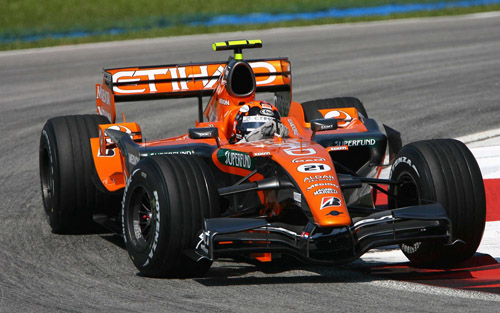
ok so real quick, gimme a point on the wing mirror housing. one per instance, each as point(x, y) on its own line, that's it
point(323, 124)
point(205, 133)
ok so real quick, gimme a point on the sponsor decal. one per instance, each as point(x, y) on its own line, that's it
point(224, 101)
point(294, 128)
point(271, 69)
point(133, 159)
point(266, 112)
point(325, 191)
point(266, 105)
point(329, 202)
point(407, 161)
point(313, 168)
point(335, 213)
point(307, 159)
point(340, 115)
point(172, 152)
point(315, 178)
point(305, 235)
point(261, 153)
point(235, 159)
point(323, 185)
point(204, 241)
point(299, 151)
point(297, 197)
point(150, 77)
point(256, 118)
point(103, 94)
point(338, 148)
point(356, 142)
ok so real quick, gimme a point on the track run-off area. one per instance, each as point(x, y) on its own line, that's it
point(427, 78)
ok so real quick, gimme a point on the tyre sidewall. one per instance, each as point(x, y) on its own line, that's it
point(52, 209)
point(411, 164)
point(146, 177)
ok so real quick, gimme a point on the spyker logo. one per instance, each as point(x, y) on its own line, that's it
point(340, 115)
point(329, 202)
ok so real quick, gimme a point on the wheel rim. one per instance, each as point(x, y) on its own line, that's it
point(47, 180)
point(141, 216)
point(407, 193)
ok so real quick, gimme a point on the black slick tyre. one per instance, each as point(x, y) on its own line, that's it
point(66, 165)
point(441, 171)
point(311, 108)
point(163, 205)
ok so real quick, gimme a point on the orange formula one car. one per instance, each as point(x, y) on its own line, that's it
point(255, 178)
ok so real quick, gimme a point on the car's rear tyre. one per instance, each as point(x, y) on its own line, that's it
point(165, 201)
point(442, 171)
point(311, 108)
point(69, 193)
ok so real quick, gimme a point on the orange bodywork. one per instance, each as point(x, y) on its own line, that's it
point(309, 164)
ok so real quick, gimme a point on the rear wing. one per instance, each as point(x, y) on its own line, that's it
point(181, 81)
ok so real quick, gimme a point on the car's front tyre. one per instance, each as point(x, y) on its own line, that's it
point(446, 172)
point(165, 201)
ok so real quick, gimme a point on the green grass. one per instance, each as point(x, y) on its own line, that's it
point(29, 17)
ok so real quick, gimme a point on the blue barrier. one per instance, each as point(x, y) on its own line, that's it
point(261, 18)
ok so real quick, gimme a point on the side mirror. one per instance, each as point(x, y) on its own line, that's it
point(323, 125)
point(205, 133)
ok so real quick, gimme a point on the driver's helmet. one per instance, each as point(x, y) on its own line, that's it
point(252, 116)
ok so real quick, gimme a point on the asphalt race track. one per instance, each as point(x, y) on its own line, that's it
point(430, 78)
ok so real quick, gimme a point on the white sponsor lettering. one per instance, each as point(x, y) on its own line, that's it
point(339, 148)
point(103, 94)
point(307, 159)
point(294, 128)
point(267, 66)
point(177, 73)
point(324, 191)
point(151, 77)
point(256, 118)
point(407, 161)
point(322, 185)
point(355, 142)
point(133, 159)
point(224, 101)
point(315, 178)
point(261, 153)
point(238, 159)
